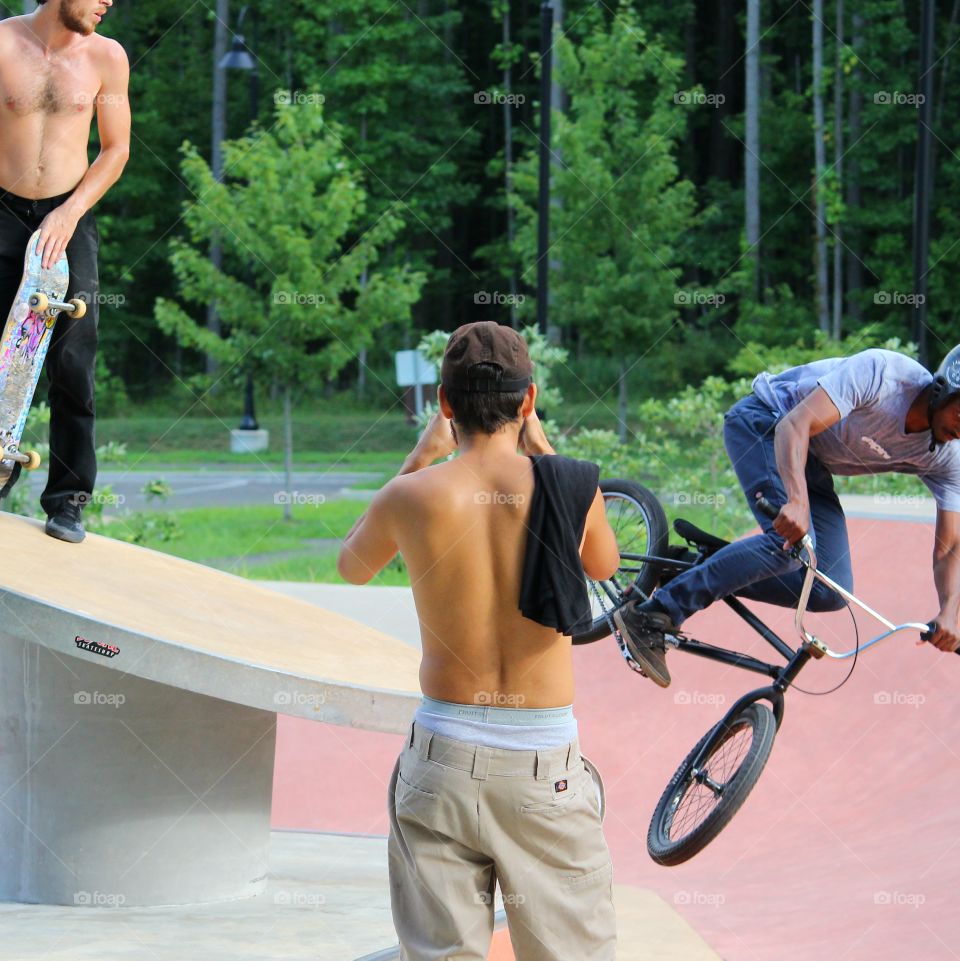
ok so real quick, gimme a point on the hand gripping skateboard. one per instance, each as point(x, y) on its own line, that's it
point(26, 339)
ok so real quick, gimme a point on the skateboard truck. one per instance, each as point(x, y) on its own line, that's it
point(40, 303)
point(30, 459)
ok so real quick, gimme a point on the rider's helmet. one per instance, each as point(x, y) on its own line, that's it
point(946, 383)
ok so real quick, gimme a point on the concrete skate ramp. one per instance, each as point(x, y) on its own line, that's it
point(201, 630)
point(138, 708)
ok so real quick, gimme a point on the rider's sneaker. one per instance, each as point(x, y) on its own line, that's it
point(643, 634)
point(66, 525)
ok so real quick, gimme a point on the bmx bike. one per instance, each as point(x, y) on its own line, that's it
point(716, 776)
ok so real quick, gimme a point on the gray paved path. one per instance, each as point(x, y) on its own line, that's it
point(228, 488)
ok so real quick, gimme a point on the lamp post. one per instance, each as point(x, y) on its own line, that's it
point(239, 58)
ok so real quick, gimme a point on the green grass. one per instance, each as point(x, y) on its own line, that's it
point(240, 539)
point(216, 533)
point(321, 569)
point(327, 433)
point(383, 462)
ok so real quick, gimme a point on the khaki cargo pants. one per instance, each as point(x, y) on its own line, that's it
point(465, 817)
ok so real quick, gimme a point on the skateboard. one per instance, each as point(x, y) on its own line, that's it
point(25, 342)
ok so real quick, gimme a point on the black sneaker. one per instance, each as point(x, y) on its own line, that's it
point(66, 524)
point(643, 634)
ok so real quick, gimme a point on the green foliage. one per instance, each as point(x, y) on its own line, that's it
point(401, 98)
point(754, 357)
point(157, 490)
point(290, 295)
point(618, 221)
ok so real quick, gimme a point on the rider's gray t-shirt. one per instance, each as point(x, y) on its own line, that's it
point(873, 391)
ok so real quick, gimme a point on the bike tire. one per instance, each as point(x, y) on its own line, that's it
point(668, 850)
point(640, 526)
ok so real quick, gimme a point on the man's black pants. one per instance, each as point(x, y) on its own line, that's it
point(71, 360)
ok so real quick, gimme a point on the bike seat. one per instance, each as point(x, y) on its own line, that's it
point(693, 535)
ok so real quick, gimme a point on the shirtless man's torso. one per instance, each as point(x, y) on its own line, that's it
point(56, 76)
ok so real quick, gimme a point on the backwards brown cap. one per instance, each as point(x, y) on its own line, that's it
point(486, 342)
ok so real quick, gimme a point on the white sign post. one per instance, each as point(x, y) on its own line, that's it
point(414, 370)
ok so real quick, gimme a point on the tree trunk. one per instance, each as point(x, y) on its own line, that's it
point(622, 402)
point(722, 157)
point(287, 451)
point(218, 133)
point(557, 104)
point(364, 280)
point(948, 44)
point(819, 149)
point(838, 168)
point(508, 157)
point(853, 245)
point(751, 157)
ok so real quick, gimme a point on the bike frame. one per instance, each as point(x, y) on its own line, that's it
point(784, 674)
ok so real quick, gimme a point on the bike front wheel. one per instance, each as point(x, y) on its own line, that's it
point(701, 800)
point(640, 527)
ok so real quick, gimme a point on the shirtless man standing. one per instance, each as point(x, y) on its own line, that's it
point(55, 74)
point(490, 787)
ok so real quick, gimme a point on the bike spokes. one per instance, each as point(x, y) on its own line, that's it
point(704, 790)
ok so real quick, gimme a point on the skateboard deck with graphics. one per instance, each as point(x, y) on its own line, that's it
point(26, 339)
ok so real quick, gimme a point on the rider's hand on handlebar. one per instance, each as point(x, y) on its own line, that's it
point(944, 638)
point(792, 522)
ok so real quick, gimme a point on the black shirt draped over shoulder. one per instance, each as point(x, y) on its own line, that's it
point(553, 591)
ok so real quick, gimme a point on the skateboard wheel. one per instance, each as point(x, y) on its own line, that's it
point(39, 302)
point(79, 307)
point(34, 460)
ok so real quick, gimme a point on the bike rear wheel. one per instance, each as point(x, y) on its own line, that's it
point(699, 803)
point(640, 526)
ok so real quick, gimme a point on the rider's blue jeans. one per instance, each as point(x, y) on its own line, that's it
point(757, 567)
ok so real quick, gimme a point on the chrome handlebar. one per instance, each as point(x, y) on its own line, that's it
point(810, 562)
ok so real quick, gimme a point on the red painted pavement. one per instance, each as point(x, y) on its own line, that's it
point(848, 846)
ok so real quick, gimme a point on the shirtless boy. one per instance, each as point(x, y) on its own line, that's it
point(490, 786)
point(56, 74)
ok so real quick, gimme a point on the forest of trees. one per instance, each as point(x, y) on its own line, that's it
point(707, 191)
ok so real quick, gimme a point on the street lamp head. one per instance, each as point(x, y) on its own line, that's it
point(238, 58)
